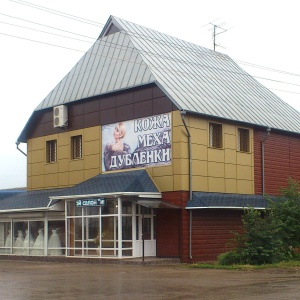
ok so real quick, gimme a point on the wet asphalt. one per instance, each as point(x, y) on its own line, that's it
point(40, 280)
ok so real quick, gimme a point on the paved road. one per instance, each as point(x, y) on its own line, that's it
point(37, 280)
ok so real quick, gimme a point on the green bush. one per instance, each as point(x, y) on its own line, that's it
point(269, 236)
point(229, 258)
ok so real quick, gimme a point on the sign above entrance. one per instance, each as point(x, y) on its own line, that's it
point(90, 202)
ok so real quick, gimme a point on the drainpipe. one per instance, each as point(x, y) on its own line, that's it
point(183, 112)
point(263, 159)
point(18, 143)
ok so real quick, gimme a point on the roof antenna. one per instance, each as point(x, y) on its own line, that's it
point(217, 29)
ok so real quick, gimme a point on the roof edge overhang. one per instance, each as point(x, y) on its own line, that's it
point(25, 209)
point(153, 195)
point(226, 207)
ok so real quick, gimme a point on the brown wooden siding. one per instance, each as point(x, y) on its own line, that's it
point(282, 160)
point(168, 233)
point(180, 198)
point(128, 105)
point(211, 232)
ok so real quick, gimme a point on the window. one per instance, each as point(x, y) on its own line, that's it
point(51, 151)
point(215, 135)
point(243, 140)
point(76, 142)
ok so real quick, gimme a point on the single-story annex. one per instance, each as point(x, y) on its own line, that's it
point(149, 146)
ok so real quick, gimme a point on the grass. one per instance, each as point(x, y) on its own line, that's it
point(292, 264)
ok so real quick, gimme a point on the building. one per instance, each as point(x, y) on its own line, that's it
point(149, 146)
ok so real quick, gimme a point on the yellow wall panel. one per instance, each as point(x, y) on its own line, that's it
point(63, 165)
point(230, 170)
point(91, 134)
point(37, 143)
point(198, 136)
point(230, 186)
point(199, 152)
point(92, 162)
point(92, 147)
point(64, 140)
point(75, 177)
point(195, 122)
point(162, 170)
point(244, 159)
point(63, 179)
point(164, 183)
point(245, 187)
point(90, 173)
point(200, 168)
point(181, 182)
point(38, 156)
point(76, 165)
point(51, 168)
point(216, 155)
point(63, 152)
point(176, 118)
point(180, 166)
point(37, 182)
point(29, 145)
point(38, 169)
point(229, 129)
point(216, 169)
point(216, 184)
point(230, 141)
point(179, 134)
point(51, 180)
point(244, 172)
point(200, 183)
point(180, 150)
point(230, 156)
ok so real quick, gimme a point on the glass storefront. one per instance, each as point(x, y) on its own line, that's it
point(118, 229)
point(36, 237)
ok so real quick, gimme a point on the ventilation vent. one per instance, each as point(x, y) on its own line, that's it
point(60, 116)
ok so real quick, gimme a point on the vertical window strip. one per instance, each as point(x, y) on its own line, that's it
point(77, 147)
point(243, 140)
point(215, 135)
point(51, 151)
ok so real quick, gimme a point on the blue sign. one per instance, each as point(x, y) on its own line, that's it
point(90, 202)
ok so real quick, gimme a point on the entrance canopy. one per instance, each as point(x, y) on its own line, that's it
point(136, 185)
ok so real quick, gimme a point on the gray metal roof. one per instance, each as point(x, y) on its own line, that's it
point(28, 200)
point(196, 79)
point(136, 182)
point(201, 200)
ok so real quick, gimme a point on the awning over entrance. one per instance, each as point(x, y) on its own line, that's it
point(136, 184)
point(202, 200)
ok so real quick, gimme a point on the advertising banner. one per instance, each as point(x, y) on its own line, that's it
point(137, 143)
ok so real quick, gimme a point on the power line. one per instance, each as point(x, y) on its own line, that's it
point(114, 45)
point(57, 12)
point(24, 27)
point(241, 62)
point(46, 26)
point(76, 18)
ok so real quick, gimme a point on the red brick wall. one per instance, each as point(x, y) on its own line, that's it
point(282, 160)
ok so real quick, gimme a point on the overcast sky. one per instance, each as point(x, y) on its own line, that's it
point(261, 33)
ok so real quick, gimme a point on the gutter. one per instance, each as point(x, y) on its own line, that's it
point(182, 113)
point(18, 143)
